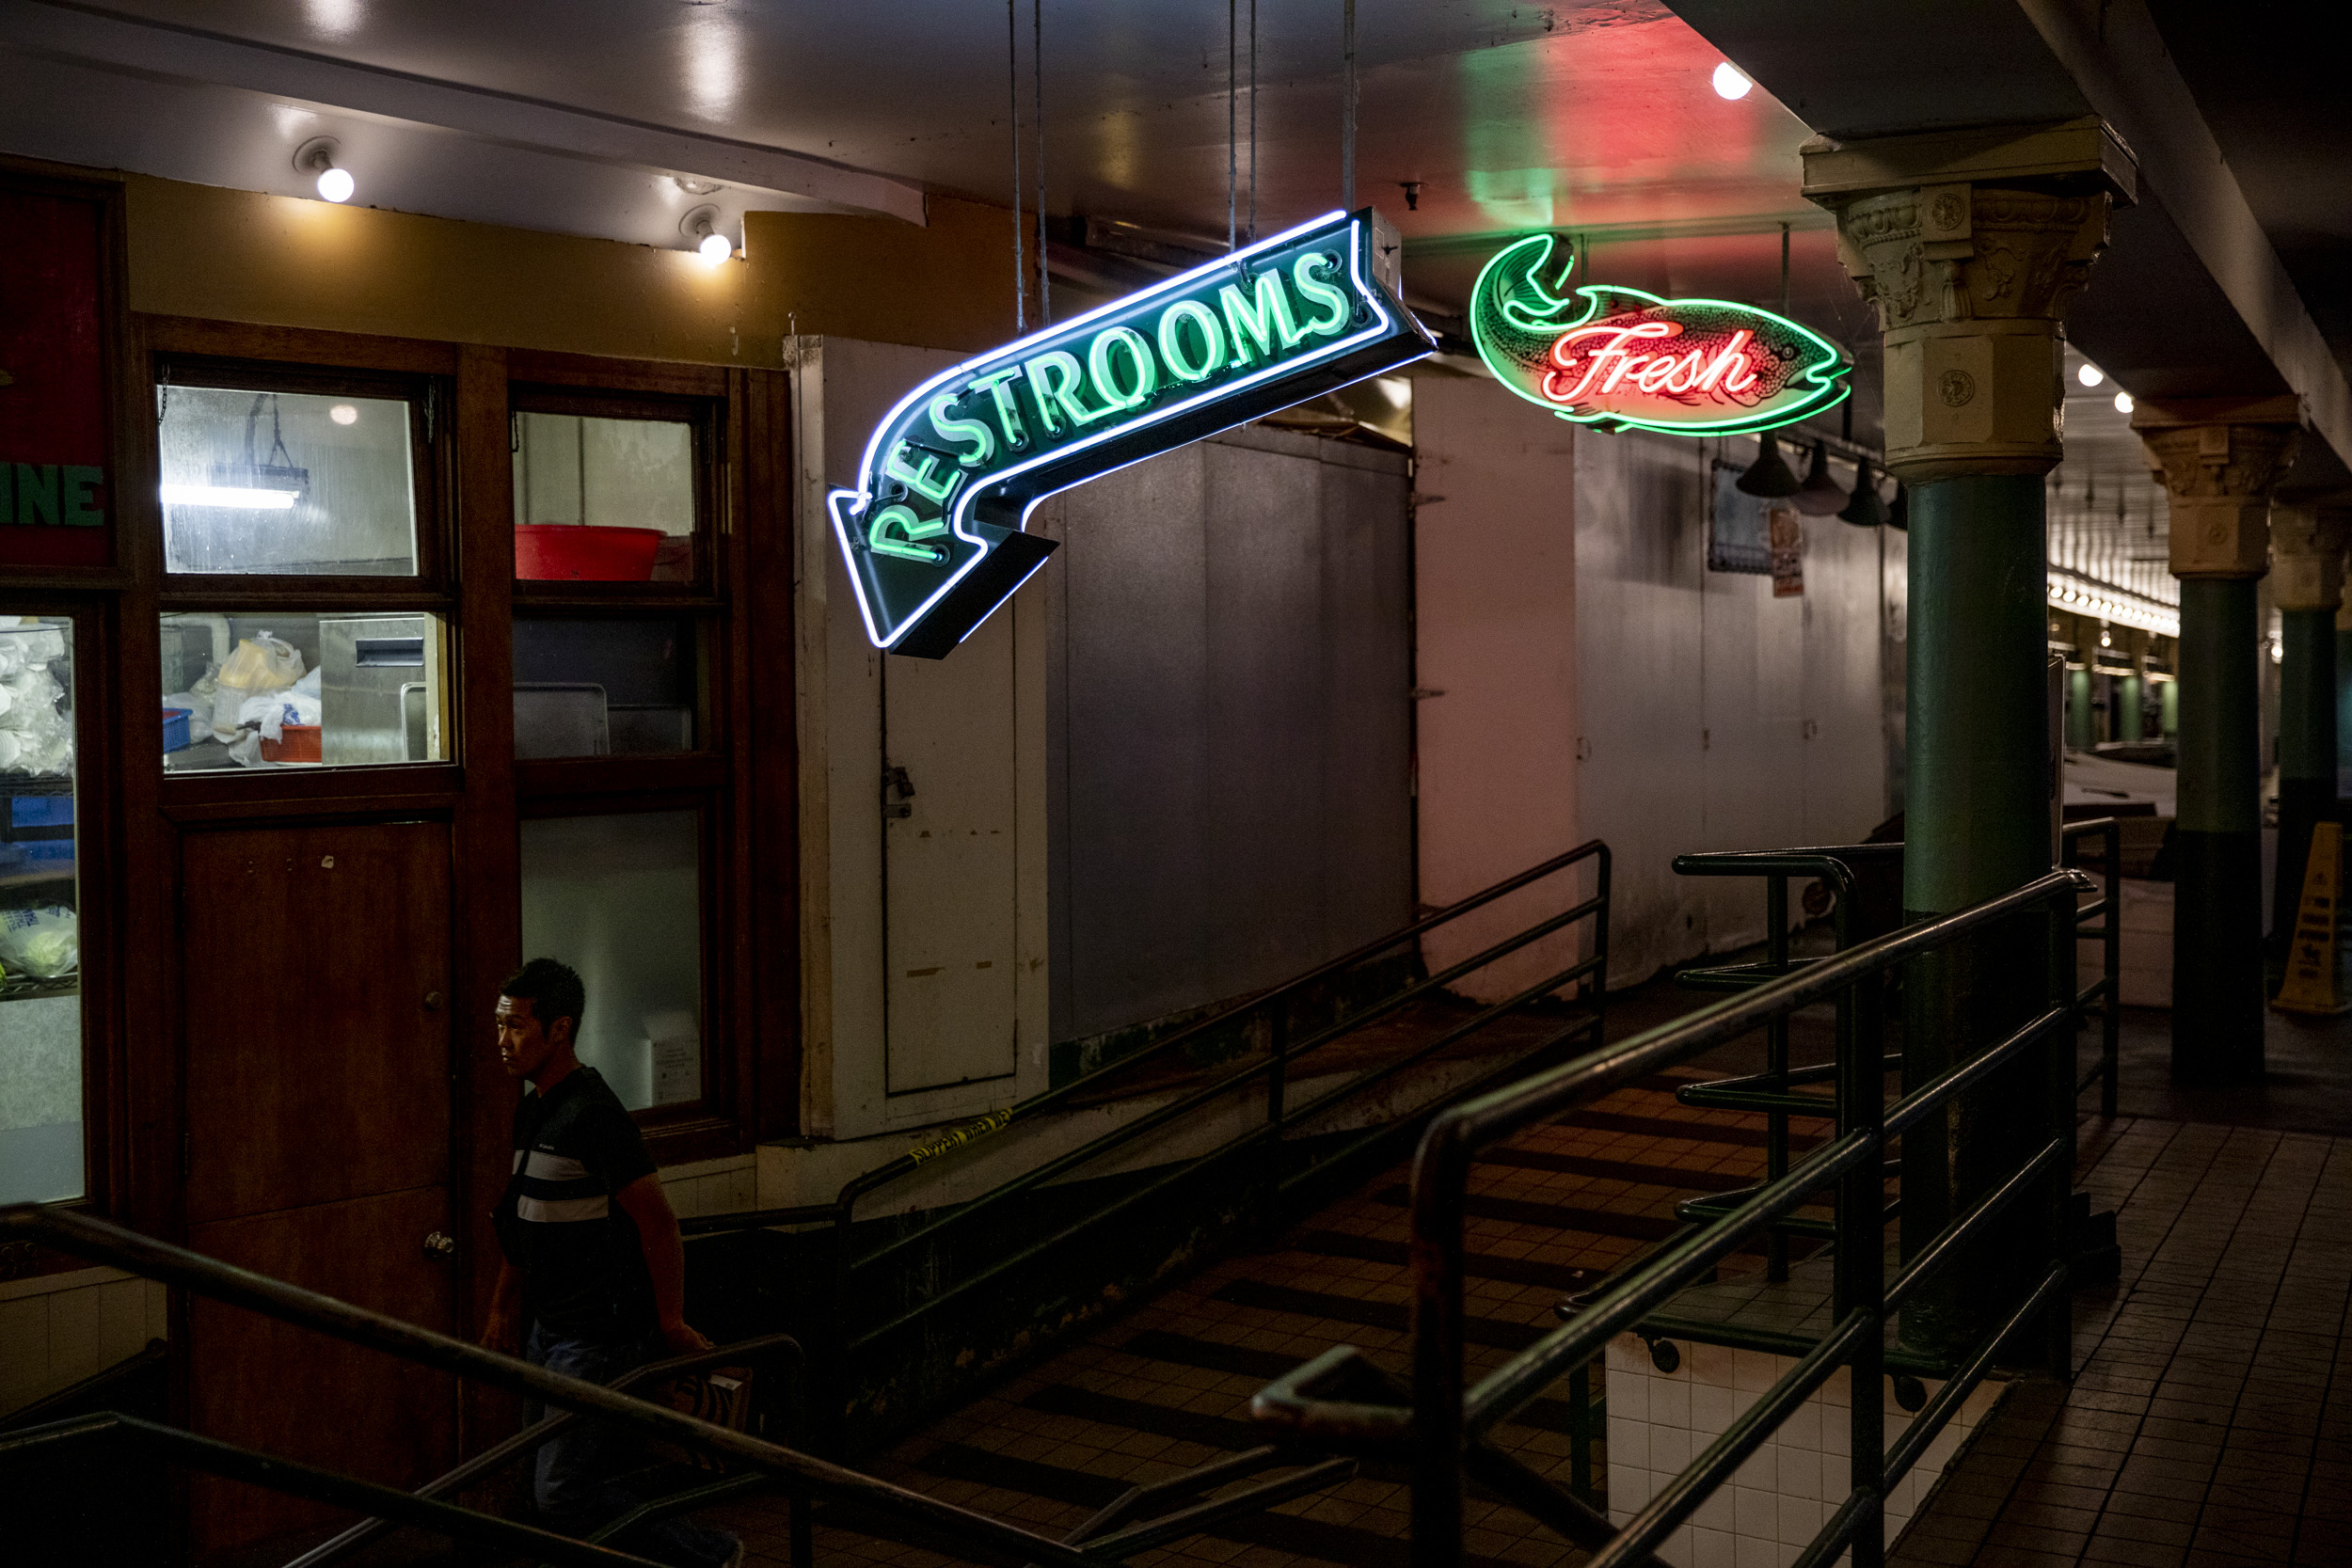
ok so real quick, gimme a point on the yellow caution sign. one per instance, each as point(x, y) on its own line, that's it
point(2311, 979)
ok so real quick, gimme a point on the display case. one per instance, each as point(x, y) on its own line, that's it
point(40, 971)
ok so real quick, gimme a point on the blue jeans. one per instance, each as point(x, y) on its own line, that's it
point(582, 1477)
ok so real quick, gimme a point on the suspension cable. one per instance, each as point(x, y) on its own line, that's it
point(1012, 98)
point(1037, 83)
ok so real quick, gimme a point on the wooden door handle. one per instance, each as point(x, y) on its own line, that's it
point(440, 1244)
point(433, 1002)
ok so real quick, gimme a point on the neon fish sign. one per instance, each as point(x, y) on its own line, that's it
point(933, 536)
point(1624, 360)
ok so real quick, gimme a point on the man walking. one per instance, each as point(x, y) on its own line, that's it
point(594, 1280)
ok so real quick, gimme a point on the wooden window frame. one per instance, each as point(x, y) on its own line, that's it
point(97, 891)
point(706, 1127)
point(718, 772)
point(431, 476)
point(706, 417)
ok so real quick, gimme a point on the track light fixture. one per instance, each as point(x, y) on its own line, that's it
point(701, 226)
point(316, 158)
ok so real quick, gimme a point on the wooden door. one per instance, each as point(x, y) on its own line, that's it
point(318, 1072)
point(951, 864)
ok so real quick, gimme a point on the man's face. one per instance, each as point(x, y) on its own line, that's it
point(524, 1043)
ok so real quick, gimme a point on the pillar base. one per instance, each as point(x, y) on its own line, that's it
point(2217, 1002)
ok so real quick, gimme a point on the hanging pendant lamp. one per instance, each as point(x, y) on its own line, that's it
point(1899, 515)
point(1863, 508)
point(1821, 497)
point(1768, 475)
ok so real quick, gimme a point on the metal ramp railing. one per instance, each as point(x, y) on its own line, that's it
point(928, 1284)
point(1439, 1426)
point(1129, 1526)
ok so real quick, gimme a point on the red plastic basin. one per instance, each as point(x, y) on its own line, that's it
point(568, 552)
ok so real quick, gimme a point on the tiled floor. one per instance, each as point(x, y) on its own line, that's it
point(2212, 1420)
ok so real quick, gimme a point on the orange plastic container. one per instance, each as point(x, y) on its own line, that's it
point(568, 552)
point(301, 744)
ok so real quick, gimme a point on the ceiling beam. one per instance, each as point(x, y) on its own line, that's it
point(2115, 54)
point(82, 36)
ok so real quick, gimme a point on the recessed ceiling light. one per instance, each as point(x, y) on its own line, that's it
point(1730, 82)
point(2123, 403)
point(2090, 375)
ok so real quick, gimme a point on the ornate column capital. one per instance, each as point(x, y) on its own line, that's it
point(2307, 555)
point(1969, 244)
point(2220, 458)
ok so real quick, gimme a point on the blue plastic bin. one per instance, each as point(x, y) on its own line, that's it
point(175, 728)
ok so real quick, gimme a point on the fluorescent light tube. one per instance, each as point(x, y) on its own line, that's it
point(222, 494)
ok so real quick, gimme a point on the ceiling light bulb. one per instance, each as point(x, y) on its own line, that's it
point(1729, 83)
point(342, 413)
point(714, 249)
point(2123, 403)
point(335, 185)
point(2090, 375)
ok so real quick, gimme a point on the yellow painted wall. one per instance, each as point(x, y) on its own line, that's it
point(200, 250)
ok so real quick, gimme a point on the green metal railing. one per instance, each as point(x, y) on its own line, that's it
point(802, 1476)
point(1441, 1426)
point(1777, 1090)
point(864, 1271)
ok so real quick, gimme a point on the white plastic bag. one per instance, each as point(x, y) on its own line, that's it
point(262, 664)
point(43, 942)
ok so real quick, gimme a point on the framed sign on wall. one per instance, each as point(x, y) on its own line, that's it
point(58, 299)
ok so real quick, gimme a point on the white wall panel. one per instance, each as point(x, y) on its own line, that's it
point(1495, 616)
point(1714, 716)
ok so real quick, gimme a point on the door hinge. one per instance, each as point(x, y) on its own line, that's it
point(898, 789)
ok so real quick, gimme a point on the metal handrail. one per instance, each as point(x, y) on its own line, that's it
point(2107, 991)
point(214, 1457)
point(498, 1456)
point(102, 1241)
point(906, 1165)
point(1440, 1429)
point(1274, 1068)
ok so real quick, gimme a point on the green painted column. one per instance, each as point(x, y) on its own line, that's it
point(2220, 459)
point(2169, 709)
point(1978, 823)
point(2079, 733)
point(1979, 815)
point(2132, 692)
point(2307, 752)
point(2307, 581)
point(2343, 695)
point(2216, 852)
point(1972, 359)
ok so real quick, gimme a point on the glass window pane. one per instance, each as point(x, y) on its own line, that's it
point(40, 980)
point(286, 481)
point(283, 690)
point(632, 480)
point(619, 899)
point(591, 688)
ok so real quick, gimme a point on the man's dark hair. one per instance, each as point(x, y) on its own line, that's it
point(553, 990)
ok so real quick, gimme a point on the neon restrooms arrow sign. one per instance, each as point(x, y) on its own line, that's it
point(1624, 360)
point(932, 534)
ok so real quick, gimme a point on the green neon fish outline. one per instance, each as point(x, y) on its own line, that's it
point(1515, 317)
